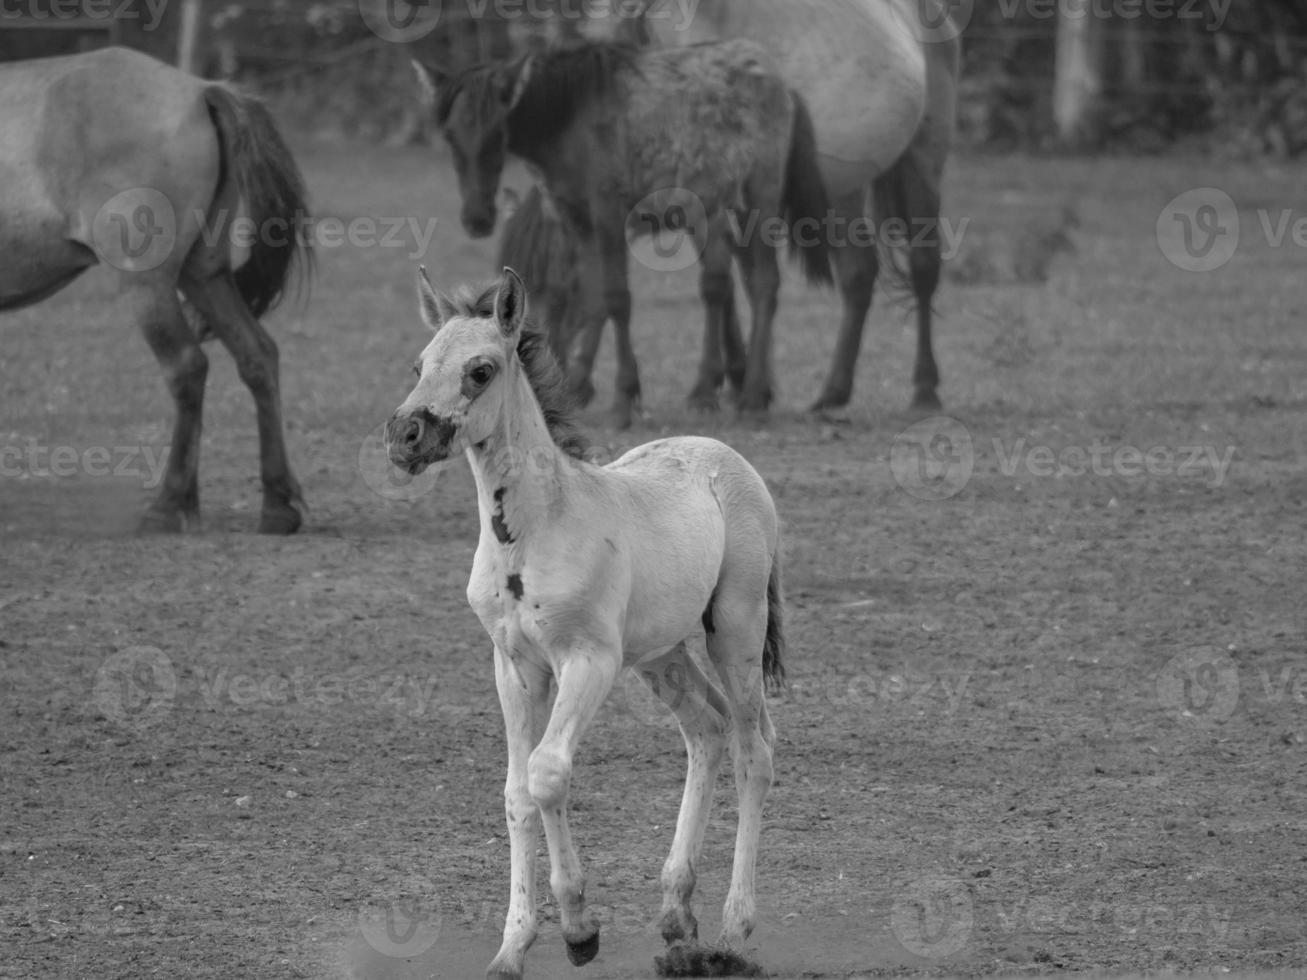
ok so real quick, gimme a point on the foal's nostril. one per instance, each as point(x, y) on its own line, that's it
point(412, 434)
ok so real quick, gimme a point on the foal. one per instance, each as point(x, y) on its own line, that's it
point(582, 571)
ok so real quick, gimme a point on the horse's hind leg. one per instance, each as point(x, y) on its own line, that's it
point(921, 201)
point(255, 353)
point(701, 712)
point(856, 267)
point(156, 308)
point(762, 280)
point(715, 289)
point(735, 644)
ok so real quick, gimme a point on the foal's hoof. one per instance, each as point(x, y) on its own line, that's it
point(581, 953)
point(679, 926)
point(159, 521)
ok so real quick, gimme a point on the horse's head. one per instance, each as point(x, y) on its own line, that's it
point(472, 110)
point(462, 375)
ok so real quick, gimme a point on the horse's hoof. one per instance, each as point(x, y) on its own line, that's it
point(583, 391)
point(700, 400)
point(754, 405)
point(283, 521)
point(925, 400)
point(829, 400)
point(581, 953)
point(282, 518)
point(158, 521)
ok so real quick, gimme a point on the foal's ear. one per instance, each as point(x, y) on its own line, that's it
point(510, 303)
point(436, 309)
point(430, 79)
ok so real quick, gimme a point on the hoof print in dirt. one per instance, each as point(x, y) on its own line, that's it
point(684, 960)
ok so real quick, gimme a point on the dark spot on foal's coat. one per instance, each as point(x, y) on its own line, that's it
point(515, 586)
point(497, 519)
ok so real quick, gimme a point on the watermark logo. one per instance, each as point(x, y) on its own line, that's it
point(135, 230)
point(401, 21)
point(135, 687)
point(667, 231)
point(934, 21)
point(400, 931)
point(1205, 463)
point(1200, 687)
point(933, 459)
point(1198, 231)
point(384, 478)
point(933, 916)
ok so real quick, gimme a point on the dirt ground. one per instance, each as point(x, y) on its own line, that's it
point(1048, 688)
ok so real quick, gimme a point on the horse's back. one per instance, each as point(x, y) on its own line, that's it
point(76, 131)
point(704, 116)
point(857, 64)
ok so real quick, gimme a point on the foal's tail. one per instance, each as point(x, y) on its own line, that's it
point(773, 647)
point(806, 198)
point(271, 188)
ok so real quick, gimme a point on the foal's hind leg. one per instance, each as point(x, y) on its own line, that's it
point(701, 712)
point(255, 353)
point(735, 648)
point(157, 309)
point(856, 267)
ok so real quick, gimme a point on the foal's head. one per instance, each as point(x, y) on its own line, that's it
point(472, 110)
point(464, 374)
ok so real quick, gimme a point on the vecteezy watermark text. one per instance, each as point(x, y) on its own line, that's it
point(1100, 459)
point(36, 460)
point(149, 11)
point(406, 21)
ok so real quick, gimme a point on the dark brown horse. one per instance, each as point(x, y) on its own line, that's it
point(880, 79)
point(689, 137)
point(185, 192)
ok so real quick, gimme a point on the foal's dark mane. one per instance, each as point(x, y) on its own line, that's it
point(542, 370)
point(562, 81)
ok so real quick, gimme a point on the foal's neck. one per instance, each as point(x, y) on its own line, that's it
point(520, 472)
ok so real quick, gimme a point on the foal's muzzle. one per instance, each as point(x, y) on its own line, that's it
point(479, 222)
point(419, 439)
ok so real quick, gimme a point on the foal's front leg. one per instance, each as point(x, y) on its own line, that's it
point(523, 695)
point(583, 682)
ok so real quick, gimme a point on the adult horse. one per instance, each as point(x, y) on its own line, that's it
point(879, 78)
point(701, 134)
point(184, 191)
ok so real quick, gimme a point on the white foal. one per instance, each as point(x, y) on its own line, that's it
point(583, 570)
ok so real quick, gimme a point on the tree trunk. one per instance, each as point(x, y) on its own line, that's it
point(1078, 86)
point(187, 36)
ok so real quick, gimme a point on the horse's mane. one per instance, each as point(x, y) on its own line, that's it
point(542, 369)
point(561, 82)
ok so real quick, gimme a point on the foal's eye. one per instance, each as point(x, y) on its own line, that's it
point(481, 375)
point(417, 368)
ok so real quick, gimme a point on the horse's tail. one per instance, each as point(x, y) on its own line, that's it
point(534, 244)
point(806, 200)
point(908, 193)
point(773, 647)
point(267, 182)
